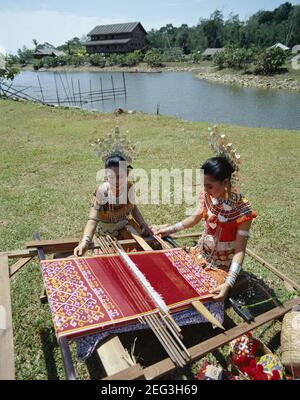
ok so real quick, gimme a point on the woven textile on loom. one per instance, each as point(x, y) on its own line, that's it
point(91, 294)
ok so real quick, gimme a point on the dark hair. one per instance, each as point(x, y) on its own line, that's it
point(218, 168)
point(114, 161)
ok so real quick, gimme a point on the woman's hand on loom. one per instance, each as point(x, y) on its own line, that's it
point(221, 292)
point(161, 230)
point(80, 249)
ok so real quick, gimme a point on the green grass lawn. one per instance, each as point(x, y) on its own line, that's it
point(48, 172)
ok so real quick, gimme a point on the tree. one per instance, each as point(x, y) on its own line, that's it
point(183, 39)
point(25, 55)
point(282, 13)
point(213, 28)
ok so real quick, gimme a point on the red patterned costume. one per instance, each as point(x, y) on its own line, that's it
point(216, 246)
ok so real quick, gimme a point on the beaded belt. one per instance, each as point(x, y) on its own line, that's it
point(111, 228)
point(225, 246)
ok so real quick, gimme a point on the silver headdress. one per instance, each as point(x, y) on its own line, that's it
point(115, 144)
point(223, 148)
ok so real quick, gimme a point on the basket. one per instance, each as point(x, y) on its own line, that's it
point(290, 342)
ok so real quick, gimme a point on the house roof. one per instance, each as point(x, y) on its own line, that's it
point(296, 49)
point(280, 45)
point(49, 52)
point(115, 28)
point(212, 51)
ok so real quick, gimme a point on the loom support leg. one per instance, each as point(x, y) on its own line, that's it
point(67, 359)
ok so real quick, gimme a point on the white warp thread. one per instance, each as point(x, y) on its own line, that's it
point(156, 297)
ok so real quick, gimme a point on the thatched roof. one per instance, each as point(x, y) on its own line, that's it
point(48, 52)
point(115, 28)
point(212, 51)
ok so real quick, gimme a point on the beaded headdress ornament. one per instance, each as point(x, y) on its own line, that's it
point(115, 144)
point(223, 148)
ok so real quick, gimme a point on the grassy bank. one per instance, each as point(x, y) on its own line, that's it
point(48, 174)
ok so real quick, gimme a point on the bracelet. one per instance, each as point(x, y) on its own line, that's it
point(86, 239)
point(243, 233)
point(233, 273)
point(175, 228)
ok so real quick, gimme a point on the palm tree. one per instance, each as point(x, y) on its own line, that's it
point(35, 42)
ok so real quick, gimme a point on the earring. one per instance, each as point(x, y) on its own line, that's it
point(226, 193)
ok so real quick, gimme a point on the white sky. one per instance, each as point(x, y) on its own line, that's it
point(57, 21)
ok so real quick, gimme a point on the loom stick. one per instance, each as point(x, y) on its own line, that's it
point(206, 314)
point(167, 339)
point(144, 245)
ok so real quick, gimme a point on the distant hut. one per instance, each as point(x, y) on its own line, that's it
point(296, 49)
point(116, 38)
point(47, 50)
point(280, 46)
point(210, 52)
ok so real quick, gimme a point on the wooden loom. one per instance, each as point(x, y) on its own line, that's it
point(90, 294)
point(113, 349)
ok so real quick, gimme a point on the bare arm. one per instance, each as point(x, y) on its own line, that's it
point(88, 232)
point(138, 216)
point(184, 224)
point(146, 230)
point(221, 291)
point(241, 243)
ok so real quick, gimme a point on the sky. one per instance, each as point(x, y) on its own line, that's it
point(56, 21)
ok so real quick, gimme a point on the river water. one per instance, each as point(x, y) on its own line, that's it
point(178, 94)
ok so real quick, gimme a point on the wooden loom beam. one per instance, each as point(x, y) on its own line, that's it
point(60, 246)
point(13, 269)
point(7, 367)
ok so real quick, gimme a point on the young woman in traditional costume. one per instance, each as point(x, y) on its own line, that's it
point(227, 215)
point(113, 206)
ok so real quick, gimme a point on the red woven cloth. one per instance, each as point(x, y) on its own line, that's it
point(89, 294)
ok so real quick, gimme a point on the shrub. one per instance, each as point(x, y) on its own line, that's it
point(238, 58)
point(37, 64)
point(153, 58)
point(97, 60)
point(132, 59)
point(235, 58)
point(115, 59)
point(49, 62)
point(270, 61)
point(197, 57)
